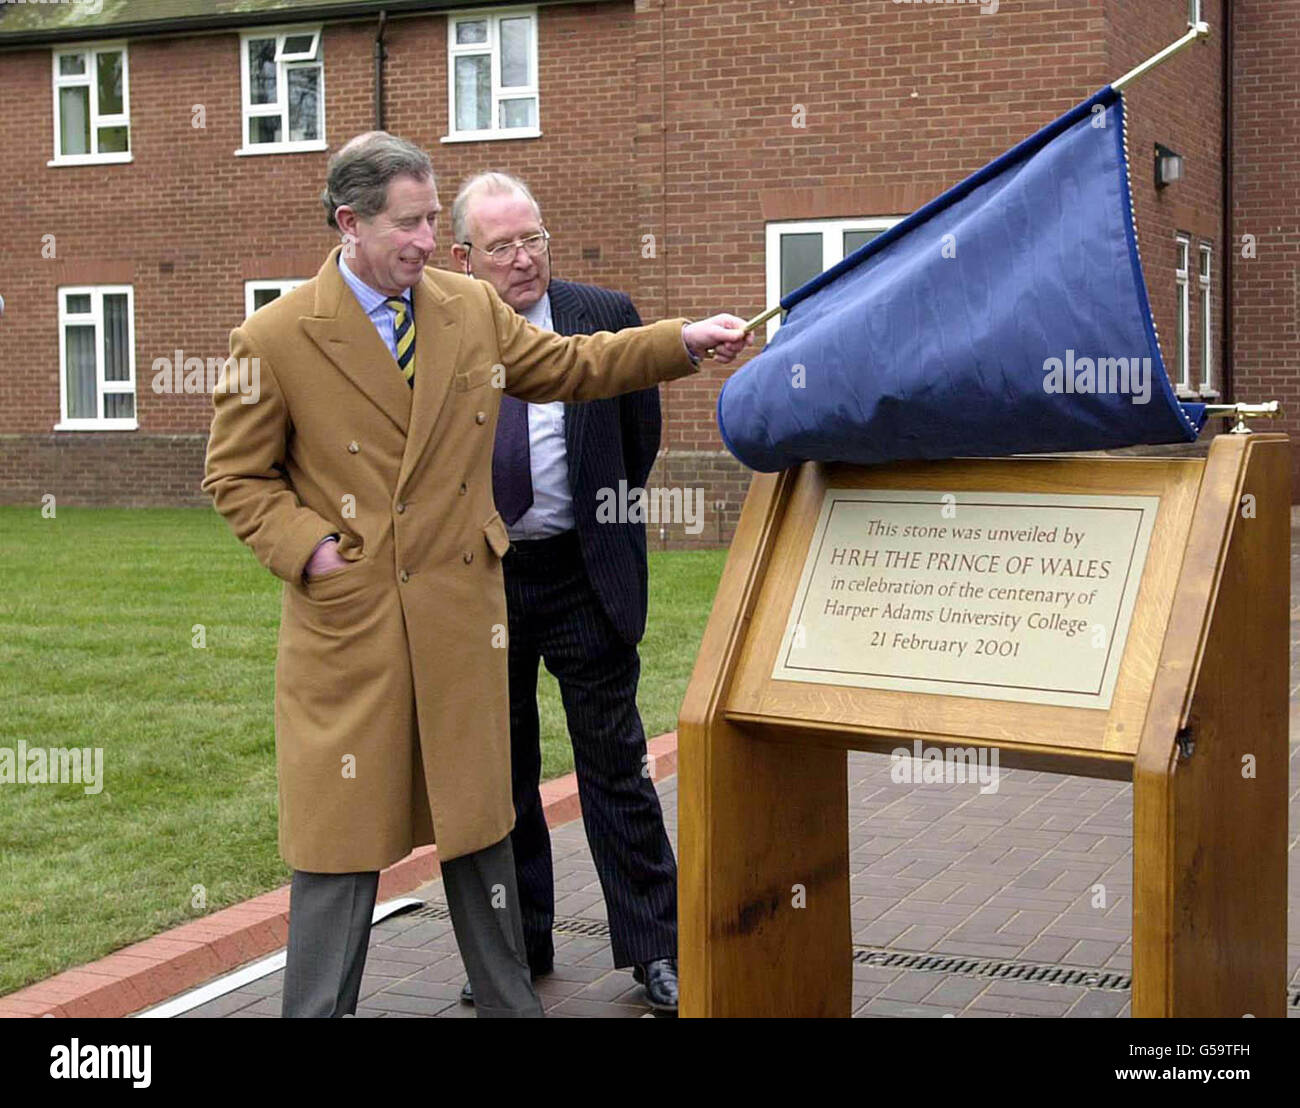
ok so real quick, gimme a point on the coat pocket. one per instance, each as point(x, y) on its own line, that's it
point(336, 583)
point(494, 530)
point(474, 379)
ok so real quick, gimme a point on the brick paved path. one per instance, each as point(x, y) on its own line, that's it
point(937, 869)
point(998, 883)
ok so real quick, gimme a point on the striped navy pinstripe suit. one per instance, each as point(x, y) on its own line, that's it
point(579, 605)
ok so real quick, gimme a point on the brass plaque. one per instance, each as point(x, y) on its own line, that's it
point(1002, 596)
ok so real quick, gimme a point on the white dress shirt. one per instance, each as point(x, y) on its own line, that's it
point(552, 509)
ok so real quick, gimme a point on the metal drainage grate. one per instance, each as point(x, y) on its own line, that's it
point(1004, 969)
point(593, 928)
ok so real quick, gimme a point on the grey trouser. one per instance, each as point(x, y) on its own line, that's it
point(329, 931)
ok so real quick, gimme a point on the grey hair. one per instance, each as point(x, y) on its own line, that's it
point(359, 173)
point(491, 183)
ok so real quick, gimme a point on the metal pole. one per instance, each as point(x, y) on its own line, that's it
point(1194, 34)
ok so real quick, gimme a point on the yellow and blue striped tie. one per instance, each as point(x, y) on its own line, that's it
point(404, 333)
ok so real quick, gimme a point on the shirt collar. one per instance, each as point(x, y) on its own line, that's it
point(371, 299)
point(539, 315)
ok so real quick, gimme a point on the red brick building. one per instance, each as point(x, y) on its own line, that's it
point(163, 160)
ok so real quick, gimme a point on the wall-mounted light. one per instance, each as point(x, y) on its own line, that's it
point(1169, 166)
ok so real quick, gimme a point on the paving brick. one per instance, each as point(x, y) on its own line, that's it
point(595, 1009)
point(413, 986)
point(1098, 1003)
point(910, 987)
point(398, 1002)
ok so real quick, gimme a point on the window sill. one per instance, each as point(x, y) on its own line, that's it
point(493, 136)
point(97, 425)
point(91, 159)
point(1209, 394)
point(281, 148)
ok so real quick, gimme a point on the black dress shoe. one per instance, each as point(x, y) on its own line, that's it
point(659, 976)
point(467, 990)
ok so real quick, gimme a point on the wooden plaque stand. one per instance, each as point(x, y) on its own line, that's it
point(1202, 690)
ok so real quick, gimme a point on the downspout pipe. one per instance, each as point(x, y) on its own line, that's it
point(1229, 236)
point(380, 55)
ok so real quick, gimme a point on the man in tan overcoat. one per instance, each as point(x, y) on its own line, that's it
point(361, 476)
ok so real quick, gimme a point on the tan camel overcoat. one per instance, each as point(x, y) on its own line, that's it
point(391, 715)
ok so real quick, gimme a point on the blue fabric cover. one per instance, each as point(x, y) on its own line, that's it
point(934, 339)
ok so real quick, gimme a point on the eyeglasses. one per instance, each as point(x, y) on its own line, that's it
point(534, 245)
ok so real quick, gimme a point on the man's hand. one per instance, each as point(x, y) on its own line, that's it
point(720, 336)
point(324, 558)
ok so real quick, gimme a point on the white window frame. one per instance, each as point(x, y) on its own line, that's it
point(96, 315)
point(493, 17)
point(1204, 277)
point(281, 286)
point(832, 232)
point(90, 79)
point(1182, 342)
point(249, 110)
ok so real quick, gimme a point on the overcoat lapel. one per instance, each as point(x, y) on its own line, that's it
point(438, 331)
point(347, 338)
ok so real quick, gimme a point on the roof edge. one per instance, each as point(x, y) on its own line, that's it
point(232, 20)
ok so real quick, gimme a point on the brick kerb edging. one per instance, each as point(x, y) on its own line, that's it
point(149, 972)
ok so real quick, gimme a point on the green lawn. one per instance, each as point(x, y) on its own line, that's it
point(97, 623)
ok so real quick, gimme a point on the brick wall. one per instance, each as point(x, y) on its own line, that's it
point(660, 118)
point(1266, 188)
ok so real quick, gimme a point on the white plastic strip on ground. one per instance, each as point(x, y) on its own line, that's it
point(254, 971)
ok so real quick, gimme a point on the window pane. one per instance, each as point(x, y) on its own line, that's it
point(262, 297)
point(518, 113)
point(1182, 256)
point(261, 71)
point(474, 93)
point(264, 128)
point(78, 304)
point(114, 140)
point(119, 405)
point(1180, 331)
point(801, 259)
point(297, 44)
point(516, 35)
point(1205, 339)
point(110, 83)
point(81, 372)
point(855, 239)
point(74, 120)
point(72, 65)
point(474, 31)
point(1205, 264)
point(304, 103)
point(117, 350)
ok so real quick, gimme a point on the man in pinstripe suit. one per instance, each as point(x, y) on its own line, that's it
point(576, 598)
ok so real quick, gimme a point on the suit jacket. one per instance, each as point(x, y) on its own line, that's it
point(608, 441)
point(391, 701)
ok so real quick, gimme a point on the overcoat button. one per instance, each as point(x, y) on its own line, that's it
point(481, 417)
point(354, 447)
point(400, 508)
point(469, 556)
point(403, 577)
point(464, 488)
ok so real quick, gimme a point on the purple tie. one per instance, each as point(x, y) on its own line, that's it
point(512, 474)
